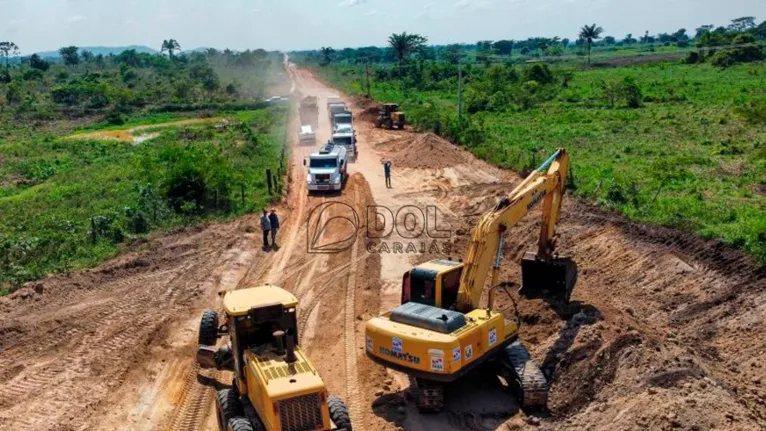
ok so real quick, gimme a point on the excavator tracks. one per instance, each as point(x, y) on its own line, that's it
point(429, 396)
point(526, 378)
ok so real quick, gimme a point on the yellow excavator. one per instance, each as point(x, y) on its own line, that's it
point(440, 332)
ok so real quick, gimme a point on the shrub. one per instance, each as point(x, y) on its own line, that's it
point(539, 72)
point(33, 75)
point(632, 92)
point(693, 57)
point(744, 54)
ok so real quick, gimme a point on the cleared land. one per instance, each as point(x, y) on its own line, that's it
point(663, 330)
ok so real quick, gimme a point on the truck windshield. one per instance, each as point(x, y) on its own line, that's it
point(343, 119)
point(346, 141)
point(324, 163)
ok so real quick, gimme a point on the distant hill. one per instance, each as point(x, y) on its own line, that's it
point(103, 50)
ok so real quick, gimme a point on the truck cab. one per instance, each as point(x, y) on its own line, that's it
point(327, 170)
point(344, 135)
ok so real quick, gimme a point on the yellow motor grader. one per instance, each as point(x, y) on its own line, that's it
point(275, 386)
point(440, 333)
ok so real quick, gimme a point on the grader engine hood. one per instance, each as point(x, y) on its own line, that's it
point(286, 395)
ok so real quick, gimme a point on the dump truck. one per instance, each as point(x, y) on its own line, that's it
point(440, 332)
point(309, 112)
point(338, 109)
point(327, 168)
point(275, 387)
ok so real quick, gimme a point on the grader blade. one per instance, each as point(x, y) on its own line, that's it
point(554, 278)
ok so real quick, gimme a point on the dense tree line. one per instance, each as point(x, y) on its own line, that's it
point(81, 83)
point(486, 51)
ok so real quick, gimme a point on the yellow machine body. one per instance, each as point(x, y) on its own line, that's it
point(432, 354)
point(266, 378)
point(441, 331)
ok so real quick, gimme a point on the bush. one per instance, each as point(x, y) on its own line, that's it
point(729, 57)
point(33, 75)
point(632, 92)
point(693, 57)
point(540, 73)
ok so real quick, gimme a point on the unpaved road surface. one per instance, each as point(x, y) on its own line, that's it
point(664, 331)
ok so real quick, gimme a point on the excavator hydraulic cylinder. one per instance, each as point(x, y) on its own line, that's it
point(552, 278)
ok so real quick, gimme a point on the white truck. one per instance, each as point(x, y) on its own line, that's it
point(345, 136)
point(327, 168)
point(306, 136)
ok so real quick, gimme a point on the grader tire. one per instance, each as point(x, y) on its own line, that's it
point(339, 413)
point(208, 328)
point(240, 423)
point(227, 407)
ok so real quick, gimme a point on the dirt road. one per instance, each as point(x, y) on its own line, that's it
point(663, 332)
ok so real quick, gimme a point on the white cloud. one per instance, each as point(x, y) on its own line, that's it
point(75, 18)
point(473, 5)
point(16, 22)
point(166, 16)
point(351, 2)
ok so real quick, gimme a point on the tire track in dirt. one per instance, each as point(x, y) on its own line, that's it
point(353, 395)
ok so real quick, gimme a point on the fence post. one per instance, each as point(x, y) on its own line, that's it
point(268, 180)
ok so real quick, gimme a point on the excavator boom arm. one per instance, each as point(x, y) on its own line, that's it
point(546, 184)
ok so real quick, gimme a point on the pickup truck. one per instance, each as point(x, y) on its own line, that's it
point(327, 169)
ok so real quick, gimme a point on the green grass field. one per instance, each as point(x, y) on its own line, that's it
point(69, 204)
point(693, 156)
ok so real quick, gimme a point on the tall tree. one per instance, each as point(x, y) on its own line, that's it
point(503, 47)
point(565, 42)
point(171, 46)
point(8, 49)
point(327, 54)
point(742, 24)
point(69, 55)
point(702, 30)
point(404, 44)
point(452, 54)
point(629, 40)
point(35, 62)
point(590, 33)
point(86, 56)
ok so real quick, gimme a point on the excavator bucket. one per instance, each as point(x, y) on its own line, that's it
point(554, 278)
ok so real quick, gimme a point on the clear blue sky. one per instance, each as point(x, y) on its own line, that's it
point(37, 25)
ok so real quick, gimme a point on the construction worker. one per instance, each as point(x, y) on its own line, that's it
point(387, 170)
point(274, 228)
point(266, 228)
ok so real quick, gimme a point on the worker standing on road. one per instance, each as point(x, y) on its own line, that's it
point(387, 170)
point(266, 228)
point(274, 219)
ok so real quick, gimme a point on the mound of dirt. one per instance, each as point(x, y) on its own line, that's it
point(426, 151)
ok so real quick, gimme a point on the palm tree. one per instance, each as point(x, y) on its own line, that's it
point(404, 44)
point(590, 33)
point(170, 45)
point(327, 53)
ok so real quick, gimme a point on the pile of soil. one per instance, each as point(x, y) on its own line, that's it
point(369, 109)
point(426, 151)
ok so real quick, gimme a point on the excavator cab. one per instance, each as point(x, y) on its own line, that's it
point(435, 283)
